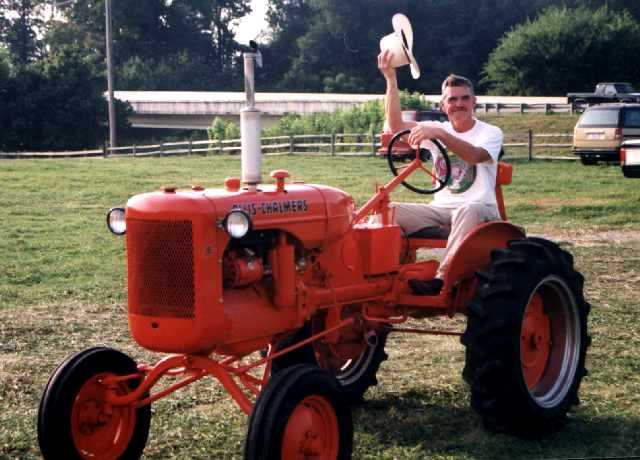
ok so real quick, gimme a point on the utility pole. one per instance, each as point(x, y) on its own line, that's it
point(112, 113)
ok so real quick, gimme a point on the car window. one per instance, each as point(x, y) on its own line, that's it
point(632, 117)
point(624, 88)
point(432, 115)
point(601, 117)
point(610, 90)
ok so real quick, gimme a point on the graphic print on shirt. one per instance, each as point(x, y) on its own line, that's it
point(462, 177)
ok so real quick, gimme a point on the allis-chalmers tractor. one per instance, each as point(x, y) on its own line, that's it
point(286, 293)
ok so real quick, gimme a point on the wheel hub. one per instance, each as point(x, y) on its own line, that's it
point(312, 430)
point(92, 416)
point(311, 445)
point(535, 341)
point(100, 430)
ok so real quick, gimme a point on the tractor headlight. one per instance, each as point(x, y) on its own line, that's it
point(237, 223)
point(116, 221)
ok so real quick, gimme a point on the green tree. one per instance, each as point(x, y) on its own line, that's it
point(18, 30)
point(631, 6)
point(288, 21)
point(57, 104)
point(5, 65)
point(160, 44)
point(565, 49)
point(330, 51)
point(331, 45)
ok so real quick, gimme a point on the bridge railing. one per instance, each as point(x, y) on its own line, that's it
point(499, 107)
point(518, 144)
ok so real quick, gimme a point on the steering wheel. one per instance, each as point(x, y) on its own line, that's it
point(399, 161)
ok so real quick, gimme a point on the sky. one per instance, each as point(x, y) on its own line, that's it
point(250, 26)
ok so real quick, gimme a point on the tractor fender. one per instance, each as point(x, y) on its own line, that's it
point(474, 253)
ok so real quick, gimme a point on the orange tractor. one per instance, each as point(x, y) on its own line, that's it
point(286, 294)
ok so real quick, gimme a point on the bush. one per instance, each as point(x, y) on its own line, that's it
point(221, 129)
point(364, 118)
point(217, 129)
point(413, 101)
point(232, 131)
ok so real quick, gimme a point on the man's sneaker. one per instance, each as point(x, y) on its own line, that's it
point(429, 287)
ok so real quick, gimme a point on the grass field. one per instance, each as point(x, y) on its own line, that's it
point(62, 288)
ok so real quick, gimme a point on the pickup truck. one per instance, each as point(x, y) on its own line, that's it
point(606, 92)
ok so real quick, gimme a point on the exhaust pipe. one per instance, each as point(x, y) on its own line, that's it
point(250, 126)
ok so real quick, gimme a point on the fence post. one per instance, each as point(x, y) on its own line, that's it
point(290, 144)
point(134, 149)
point(547, 109)
point(373, 143)
point(521, 108)
point(190, 147)
point(572, 107)
point(497, 107)
point(486, 107)
point(530, 144)
point(219, 146)
point(333, 144)
point(160, 152)
point(104, 149)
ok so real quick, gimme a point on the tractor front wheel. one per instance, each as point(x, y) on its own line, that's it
point(74, 419)
point(300, 414)
point(526, 338)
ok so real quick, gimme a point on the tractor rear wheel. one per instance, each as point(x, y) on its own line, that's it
point(526, 338)
point(300, 414)
point(355, 376)
point(75, 422)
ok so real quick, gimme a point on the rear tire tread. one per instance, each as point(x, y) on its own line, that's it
point(492, 368)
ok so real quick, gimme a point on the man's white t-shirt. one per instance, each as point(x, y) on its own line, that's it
point(470, 183)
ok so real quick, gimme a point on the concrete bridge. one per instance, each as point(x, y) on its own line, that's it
point(197, 109)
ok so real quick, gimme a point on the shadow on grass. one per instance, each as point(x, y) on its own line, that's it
point(416, 424)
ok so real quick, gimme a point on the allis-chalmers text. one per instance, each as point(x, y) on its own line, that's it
point(273, 207)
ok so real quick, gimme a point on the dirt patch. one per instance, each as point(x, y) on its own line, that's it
point(591, 237)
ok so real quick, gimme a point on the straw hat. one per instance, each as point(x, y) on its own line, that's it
point(400, 43)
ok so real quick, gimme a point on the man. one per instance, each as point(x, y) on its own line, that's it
point(469, 198)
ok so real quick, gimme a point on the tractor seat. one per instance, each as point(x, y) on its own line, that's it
point(432, 233)
point(429, 237)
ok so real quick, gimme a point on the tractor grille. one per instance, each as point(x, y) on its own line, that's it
point(161, 268)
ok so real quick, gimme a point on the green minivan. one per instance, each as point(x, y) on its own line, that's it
point(601, 130)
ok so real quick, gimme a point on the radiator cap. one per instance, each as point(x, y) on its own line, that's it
point(280, 175)
point(232, 184)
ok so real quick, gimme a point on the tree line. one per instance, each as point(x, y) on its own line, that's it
point(52, 63)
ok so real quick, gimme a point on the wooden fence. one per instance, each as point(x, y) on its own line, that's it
point(524, 144)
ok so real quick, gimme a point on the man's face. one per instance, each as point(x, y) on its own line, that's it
point(458, 104)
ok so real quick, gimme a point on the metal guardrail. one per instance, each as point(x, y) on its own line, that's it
point(497, 107)
point(521, 144)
